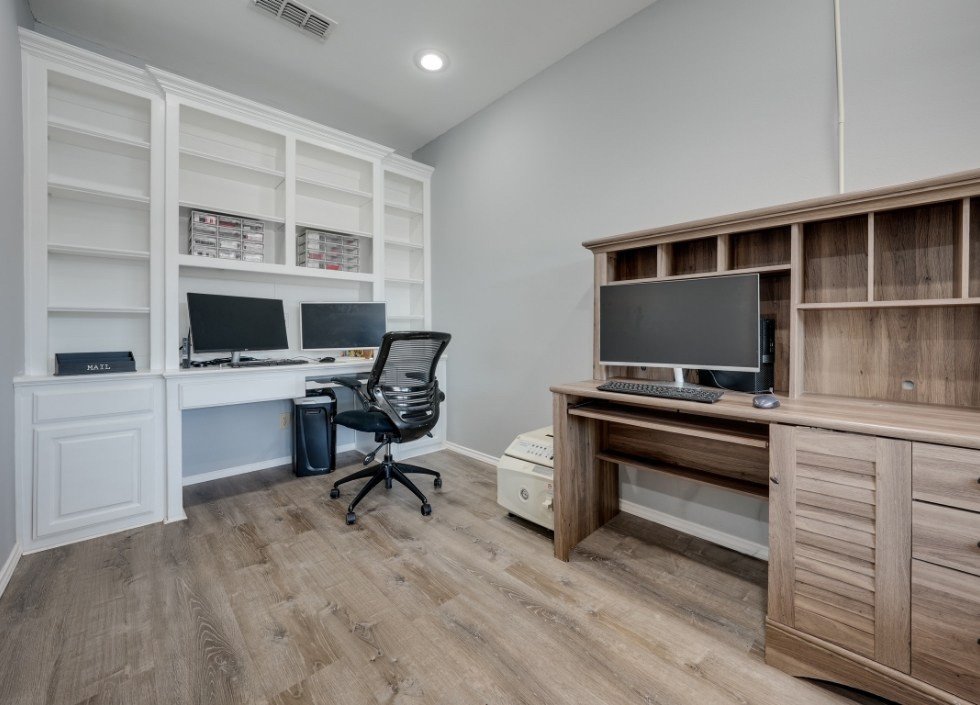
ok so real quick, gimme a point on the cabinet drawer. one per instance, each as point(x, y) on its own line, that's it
point(84, 401)
point(945, 475)
point(241, 391)
point(949, 537)
point(946, 629)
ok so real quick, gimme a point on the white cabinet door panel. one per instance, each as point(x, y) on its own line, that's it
point(93, 472)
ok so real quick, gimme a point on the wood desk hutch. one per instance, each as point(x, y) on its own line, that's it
point(871, 465)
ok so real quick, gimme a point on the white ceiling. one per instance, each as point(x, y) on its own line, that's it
point(363, 78)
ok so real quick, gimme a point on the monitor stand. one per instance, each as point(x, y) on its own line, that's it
point(679, 380)
point(237, 359)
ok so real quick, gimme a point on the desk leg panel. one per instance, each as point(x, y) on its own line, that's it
point(586, 489)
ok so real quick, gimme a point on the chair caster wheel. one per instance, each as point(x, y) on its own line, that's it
point(437, 483)
point(426, 510)
point(351, 518)
point(334, 493)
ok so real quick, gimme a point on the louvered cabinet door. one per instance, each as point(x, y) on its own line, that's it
point(840, 540)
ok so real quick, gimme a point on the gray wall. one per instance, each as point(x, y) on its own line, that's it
point(245, 434)
point(13, 13)
point(230, 436)
point(686, 110)
point(912, 89)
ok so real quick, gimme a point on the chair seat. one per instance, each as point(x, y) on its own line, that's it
point(372, 421)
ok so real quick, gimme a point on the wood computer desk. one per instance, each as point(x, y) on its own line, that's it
point(871, 466)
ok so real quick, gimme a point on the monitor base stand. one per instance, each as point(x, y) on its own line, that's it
point(679, 380)
point(237, 360)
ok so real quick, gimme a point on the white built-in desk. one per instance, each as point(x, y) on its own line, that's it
point(204, 387)
point(102, 453)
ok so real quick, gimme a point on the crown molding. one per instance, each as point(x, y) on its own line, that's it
point(173, 84)
point(153, 82)
point(75, 58)
point(407, 167)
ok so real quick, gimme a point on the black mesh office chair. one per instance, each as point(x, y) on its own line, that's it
point(401, 404)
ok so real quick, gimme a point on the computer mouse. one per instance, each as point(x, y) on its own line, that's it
point(765, 401)
point(328, 359)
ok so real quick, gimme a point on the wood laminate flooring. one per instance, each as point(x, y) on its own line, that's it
point(264, 596)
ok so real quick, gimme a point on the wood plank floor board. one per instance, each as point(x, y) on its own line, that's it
point(265, 597)
point(622, 674)
point(336, 684)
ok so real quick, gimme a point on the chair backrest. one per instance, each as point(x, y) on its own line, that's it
point(403, 381)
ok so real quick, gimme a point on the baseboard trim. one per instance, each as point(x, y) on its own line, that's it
point(236, 470)
point(413, 450)
point(243, 469)
point(7, 572)
point(721, 538)
point(470, 453)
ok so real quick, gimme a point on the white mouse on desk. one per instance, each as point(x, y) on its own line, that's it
point(765, 401)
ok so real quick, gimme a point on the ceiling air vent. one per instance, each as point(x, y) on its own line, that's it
point(298, 15)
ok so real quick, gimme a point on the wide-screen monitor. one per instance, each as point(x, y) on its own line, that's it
point(236, 323)
point(337, 326)
point(707, 323)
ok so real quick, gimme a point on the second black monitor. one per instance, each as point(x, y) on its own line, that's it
point(337, 326)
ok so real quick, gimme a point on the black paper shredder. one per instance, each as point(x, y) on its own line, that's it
point(315, 445)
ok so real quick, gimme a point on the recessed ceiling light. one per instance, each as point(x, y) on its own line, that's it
point(431, 60)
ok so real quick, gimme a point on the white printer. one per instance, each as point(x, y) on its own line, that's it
point(525, 477)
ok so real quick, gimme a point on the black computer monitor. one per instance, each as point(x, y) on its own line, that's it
point(234, 324)
point(703, 323)
point(337, 326)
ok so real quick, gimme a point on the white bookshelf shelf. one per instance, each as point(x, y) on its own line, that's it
point(210, 263)
point(237, 212)
point(97, 194)
point(82, 135)
point(405, 244)
point(101, 310)
point(331, 192)
point(328, 228)
point(403, 208)
point(230, 169)
point(101, 252)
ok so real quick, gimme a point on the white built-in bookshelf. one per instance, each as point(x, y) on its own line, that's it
point(90, 210)
point(237, 158)
point(119, 157)
point(406, 250)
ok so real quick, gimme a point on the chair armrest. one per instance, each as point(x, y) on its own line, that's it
point(355, 385)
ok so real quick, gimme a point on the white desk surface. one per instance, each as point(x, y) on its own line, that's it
point(316, 369)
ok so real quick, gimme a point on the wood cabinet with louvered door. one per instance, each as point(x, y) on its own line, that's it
point(840, 540)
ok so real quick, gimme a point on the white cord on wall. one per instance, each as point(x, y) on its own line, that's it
point(840, 97)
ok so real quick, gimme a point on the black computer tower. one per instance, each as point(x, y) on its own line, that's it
point(752, 382)
point(315, 446)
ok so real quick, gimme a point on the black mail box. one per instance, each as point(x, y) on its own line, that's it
point(93, 363)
